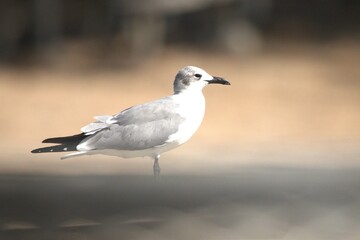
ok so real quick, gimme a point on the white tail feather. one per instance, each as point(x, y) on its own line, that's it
point(97, 125)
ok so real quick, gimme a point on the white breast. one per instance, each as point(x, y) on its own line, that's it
point(192, 108)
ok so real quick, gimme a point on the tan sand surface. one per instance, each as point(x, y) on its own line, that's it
point(287, 100)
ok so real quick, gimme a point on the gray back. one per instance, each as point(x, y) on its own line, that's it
point(139, 127)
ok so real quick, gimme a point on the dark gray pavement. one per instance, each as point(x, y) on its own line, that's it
point(259, 202)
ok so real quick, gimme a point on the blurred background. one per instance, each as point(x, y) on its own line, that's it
point(277, 155)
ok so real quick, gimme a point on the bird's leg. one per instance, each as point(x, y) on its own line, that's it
point(156, 167)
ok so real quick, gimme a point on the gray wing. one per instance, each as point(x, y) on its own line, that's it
point(136, 128)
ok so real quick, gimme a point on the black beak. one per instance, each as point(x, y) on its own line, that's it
point(218, 80)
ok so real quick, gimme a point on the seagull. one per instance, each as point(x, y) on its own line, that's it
point(145, 130)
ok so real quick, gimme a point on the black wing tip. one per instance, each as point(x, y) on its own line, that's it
point(37, 150)
point(63, 144)
point(55, 140)
point(49, 140)
point(62, 140)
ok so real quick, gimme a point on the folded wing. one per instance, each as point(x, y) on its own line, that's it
point(136, 128)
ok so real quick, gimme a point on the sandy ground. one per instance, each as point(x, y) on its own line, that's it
point(289, 99)
point(277, 156)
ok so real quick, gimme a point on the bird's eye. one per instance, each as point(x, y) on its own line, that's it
point(198, 76)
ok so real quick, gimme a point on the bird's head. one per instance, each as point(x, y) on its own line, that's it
point(194, 78)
